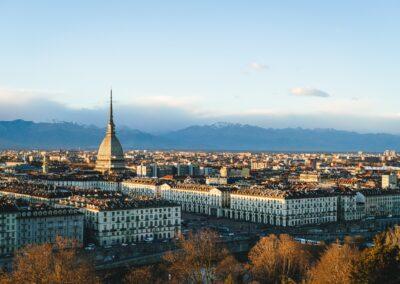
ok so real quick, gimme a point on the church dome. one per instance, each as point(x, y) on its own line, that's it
point(110, 157)
point(110, 147)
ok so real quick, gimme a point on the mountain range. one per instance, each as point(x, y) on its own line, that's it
point(21, 134)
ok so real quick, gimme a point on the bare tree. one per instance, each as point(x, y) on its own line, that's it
point(229, 270)
point(46, 263)
point(142, 275)
point(196, 259)
point(278, 259)
point(335, 265)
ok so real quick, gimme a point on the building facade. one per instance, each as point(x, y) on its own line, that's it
point(8, 226)
point(24, 223)
point(282, 208)
point(196, 198)
point(43, 224)
point(380, 203)
point(110, 222)
point(142, 187)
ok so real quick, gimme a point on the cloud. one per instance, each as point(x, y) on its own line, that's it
point(152, 114)
point(308, 92)
point(18, 96)
point(164, 113)
point(189, 103)
point(258, 66)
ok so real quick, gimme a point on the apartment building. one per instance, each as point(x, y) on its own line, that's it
point(8, 226)
point(310, 177)
point(142, 187)
point(379, 202)
point(389, 181)
point(24, 223)
point(197, 198)
point(41, 223)
point(349, 208)
point(216, 181)
point(283, 207)
point(122, 220)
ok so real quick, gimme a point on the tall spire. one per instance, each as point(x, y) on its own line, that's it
point(111, 109)
point(111, 127)
point(110, 157)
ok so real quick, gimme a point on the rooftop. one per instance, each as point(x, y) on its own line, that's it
point(122, 203)
point(283, 194)
point(33, 189)
point(16, 205)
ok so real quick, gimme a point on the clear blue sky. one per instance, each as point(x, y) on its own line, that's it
point(175, 63)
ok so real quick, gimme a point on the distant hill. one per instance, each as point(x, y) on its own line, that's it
point(65, 135)
point(220, 136)
point(246, 137)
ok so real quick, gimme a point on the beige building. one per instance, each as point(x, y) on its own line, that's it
point(389, 181)
point(257, 165)
point(310, 177)
point(233, 172)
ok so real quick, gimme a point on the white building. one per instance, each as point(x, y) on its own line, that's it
point(196, 198)
point(216, 181)
point(283, 208)
point(116, 221)
point(380, 203)
point(24, 223)
point(349, 207)
point(143, 171)
point(8, 226)
point(141, 187)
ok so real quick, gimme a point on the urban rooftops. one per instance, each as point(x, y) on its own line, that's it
point(283, 194)
point(122, 203)
point(33, 189)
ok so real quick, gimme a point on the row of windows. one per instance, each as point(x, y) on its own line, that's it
point(132, 212)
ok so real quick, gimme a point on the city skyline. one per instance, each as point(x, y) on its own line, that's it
point(309, 64)
point(199, 142)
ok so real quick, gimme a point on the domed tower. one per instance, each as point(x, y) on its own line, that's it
point(110, 157)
